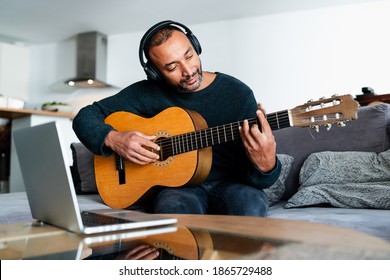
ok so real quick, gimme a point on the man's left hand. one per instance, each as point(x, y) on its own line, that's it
point(259, 144)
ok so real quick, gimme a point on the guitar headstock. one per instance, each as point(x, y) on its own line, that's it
point(325, 111)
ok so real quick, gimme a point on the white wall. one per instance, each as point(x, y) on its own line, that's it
point(286, 58)
point(290, 58)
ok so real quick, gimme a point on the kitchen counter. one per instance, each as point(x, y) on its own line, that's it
point(10, 113)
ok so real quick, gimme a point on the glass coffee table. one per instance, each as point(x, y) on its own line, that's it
point(196, 237)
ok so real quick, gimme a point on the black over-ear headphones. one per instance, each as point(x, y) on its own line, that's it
point(151, 72)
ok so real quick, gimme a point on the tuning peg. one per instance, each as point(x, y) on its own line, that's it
point(328, 126)
point(316, 127)
point(341, 124)
point(336, 102)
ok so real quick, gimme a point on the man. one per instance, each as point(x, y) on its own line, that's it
point(240, 169)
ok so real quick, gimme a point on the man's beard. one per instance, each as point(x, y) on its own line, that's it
point(183, 88)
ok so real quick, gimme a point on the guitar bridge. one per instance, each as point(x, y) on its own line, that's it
point(120, 167)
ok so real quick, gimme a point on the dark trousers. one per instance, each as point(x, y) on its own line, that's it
point(225, 198)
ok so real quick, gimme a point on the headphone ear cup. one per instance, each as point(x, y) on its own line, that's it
point(151, 72)
point(195, 43)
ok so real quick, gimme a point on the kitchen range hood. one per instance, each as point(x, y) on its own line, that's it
point(91, 61)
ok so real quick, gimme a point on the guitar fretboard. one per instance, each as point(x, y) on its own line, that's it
point(207, 137)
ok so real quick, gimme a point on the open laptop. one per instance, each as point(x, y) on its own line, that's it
point(50, 190)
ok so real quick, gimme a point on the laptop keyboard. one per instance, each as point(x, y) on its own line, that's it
point(93, 219)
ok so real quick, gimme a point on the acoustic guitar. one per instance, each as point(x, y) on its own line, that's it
point(185, 143)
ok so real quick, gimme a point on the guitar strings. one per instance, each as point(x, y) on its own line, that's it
point(211, 136)
point(230, 132)
point(216, 132)
point(197, 139)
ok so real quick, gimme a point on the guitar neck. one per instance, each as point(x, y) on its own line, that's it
point(279, 120)
point(204, 138)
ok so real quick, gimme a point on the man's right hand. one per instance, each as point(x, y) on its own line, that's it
point(133, 145)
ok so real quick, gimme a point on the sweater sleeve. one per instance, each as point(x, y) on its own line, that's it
point(254, 176)
point(261, 180)
point(90, 128)
point(89, 124)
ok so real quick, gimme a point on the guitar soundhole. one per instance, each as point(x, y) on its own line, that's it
point(165, 246)
point(164, 163)
point(165, 153)
point(165, 145)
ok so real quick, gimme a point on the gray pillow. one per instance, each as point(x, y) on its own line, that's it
point(276, 191)
point(344, 179)
point(82, 170)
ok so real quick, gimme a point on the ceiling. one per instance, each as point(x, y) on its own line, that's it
point(43, 21)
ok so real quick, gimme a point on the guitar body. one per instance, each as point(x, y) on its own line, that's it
point(189, 168)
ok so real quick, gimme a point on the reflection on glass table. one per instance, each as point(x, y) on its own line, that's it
point(184, 244)
point(196, 238)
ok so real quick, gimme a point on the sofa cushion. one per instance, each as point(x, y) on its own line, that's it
point(276, 191)
point(82, 170)
point(371, 221)
point(369, 133)
point(345, 179)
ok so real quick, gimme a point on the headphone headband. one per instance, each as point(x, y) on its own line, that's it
point(151, 72)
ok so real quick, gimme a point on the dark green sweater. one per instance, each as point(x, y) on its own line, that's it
point(226, 100)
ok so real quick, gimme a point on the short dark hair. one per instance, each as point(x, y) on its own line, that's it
point(160, 37)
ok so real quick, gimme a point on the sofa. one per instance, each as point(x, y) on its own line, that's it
point(339, 176)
